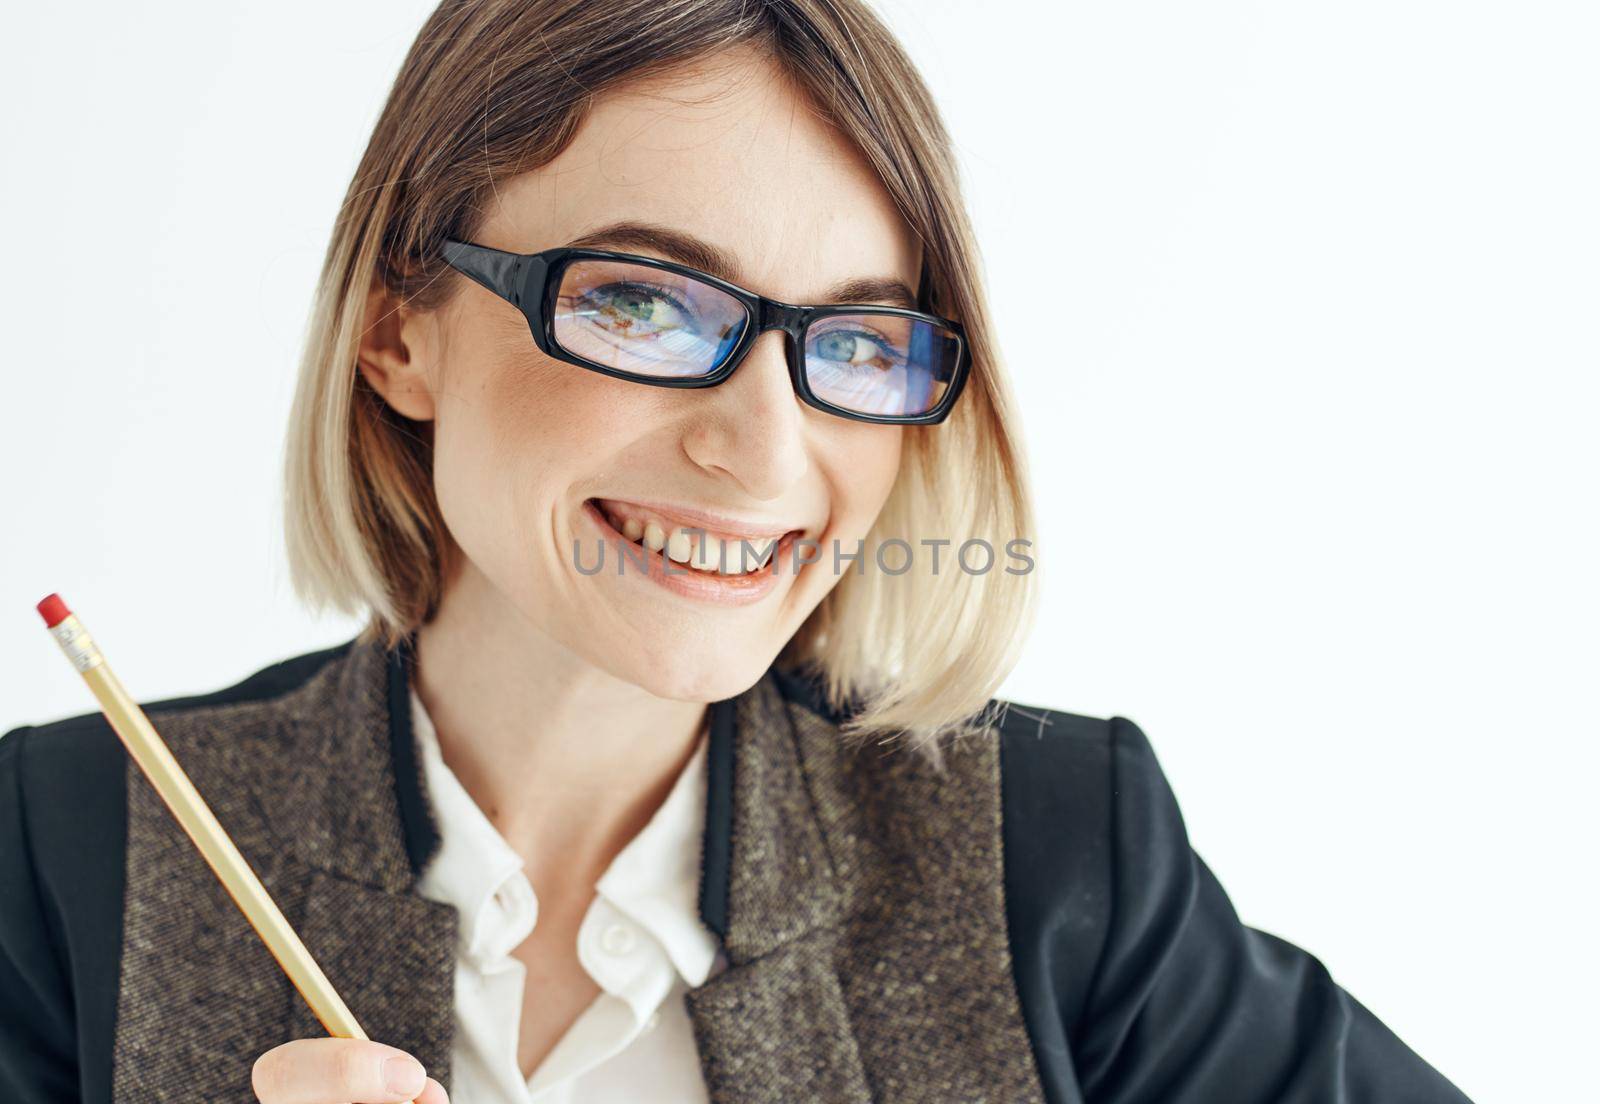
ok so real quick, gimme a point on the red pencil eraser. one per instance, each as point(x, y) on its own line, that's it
point(54, 611)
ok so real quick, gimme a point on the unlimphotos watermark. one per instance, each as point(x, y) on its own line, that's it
point(705, 554)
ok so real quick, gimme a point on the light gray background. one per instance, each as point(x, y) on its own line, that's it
point(1300, 300)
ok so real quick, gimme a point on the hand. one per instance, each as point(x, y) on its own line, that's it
point(336, 1071)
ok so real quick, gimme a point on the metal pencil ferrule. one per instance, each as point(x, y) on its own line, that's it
point(77, 643)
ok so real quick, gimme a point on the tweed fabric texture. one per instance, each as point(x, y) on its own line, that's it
point(866, 938)
point(303, 785)
point(894, 871)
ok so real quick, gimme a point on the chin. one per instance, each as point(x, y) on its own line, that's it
point(697, 675)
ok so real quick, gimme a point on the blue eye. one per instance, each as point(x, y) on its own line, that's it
point(855, 349)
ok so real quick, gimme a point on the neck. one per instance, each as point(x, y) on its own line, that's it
point(568, 761)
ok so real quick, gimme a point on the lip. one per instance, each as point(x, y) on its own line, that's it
point(725, 590)
point(722, 525)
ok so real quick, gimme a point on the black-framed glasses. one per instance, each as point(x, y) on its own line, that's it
point(655, 322)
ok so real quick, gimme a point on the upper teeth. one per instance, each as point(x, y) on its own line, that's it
point(701, 550)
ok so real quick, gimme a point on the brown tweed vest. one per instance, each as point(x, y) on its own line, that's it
point(865, 915)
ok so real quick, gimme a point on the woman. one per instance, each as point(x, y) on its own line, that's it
point(731, 815)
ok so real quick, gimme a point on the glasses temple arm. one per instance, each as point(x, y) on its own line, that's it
point(495, 269)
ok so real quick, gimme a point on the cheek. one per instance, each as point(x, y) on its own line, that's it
point(863, 462)
point(498, 452)
point(519, 426)
point(531, 408)
point(556, 418)
point(514, 436)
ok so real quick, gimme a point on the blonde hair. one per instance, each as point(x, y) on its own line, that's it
point(493, 88)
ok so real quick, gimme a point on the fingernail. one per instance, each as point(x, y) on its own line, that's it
point(404, 1075)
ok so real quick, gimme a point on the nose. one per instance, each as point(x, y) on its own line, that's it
point(751, 428)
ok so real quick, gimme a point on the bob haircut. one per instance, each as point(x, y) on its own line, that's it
point(494, 88)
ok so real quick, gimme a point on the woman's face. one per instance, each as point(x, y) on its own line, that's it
point(534, 456)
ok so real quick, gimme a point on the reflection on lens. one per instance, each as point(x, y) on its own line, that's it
point(645, 321)
point(880, 363)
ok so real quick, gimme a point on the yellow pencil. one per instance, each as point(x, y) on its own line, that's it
point(155, 759)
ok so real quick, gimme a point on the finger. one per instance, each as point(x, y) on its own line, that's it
point(434, 1094)
point(327, 1071)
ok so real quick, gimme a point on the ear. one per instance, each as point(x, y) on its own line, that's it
point(389, 362)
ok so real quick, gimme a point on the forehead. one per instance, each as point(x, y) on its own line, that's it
point(727, 150)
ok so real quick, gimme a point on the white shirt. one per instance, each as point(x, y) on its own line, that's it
point(641, 940)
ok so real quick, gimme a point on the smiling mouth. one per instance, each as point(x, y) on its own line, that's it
point(695, 548)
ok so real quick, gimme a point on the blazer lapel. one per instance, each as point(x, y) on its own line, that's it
point(391, 957)
point(773, 1026)
point(304, 785)
point(388, 952)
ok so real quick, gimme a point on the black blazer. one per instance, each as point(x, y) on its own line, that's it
point(1137, 981)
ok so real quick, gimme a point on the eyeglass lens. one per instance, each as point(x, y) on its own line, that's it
point(654, 323)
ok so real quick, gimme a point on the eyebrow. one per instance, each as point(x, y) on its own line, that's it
point(629, 235)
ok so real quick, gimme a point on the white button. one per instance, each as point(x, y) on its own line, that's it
point(650, 1024)
point(617, 939)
